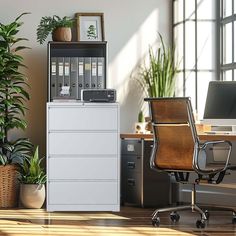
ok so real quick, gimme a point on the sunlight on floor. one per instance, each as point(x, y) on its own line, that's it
point(129, 221)
point(28, 214)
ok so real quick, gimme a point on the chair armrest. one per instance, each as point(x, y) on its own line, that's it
point(201, 156)
point(204, 144)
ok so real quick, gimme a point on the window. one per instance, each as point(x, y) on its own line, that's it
point(227, 31)
point(194, 37)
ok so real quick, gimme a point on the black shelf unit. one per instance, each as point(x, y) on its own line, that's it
point(75, 66)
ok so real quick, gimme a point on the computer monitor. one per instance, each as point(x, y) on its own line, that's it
point(220, 107)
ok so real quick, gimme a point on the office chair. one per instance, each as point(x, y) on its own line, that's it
point(178, 150)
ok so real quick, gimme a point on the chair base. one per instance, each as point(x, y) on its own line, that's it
point(204, 214)
point(193, 207)
point(175, 216)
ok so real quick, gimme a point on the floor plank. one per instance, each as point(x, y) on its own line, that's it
point(129, 221)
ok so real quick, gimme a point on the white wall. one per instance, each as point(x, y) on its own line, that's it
point(130, 27)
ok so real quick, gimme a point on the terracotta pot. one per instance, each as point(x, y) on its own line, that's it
point(32, 195)
point(62, 34)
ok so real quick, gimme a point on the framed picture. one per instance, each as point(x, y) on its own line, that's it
point(90, 26)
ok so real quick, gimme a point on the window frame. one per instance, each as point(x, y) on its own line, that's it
point(222, 22)
point(196, 68)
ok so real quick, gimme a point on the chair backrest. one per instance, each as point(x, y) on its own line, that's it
point(174, 133)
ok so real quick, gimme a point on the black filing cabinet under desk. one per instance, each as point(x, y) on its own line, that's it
point(140, 185)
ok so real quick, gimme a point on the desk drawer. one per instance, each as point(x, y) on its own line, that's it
point(131, 163)
point(132, 188)
point(83, 168)
point(83, 193)
point(82, 118)
point(65, 143)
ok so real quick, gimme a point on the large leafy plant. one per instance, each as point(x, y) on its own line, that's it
point(48, 24)
point(13, 93)
point(158, 77)
point(31, 171)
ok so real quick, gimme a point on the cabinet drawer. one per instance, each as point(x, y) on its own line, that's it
point(82, 143)
point(131, 147)
point(132, 188)
point(83, 193)
point(131, 163)
point(83, 168)
point(82, 118)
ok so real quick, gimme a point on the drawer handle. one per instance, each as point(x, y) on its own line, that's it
point(131, 165)
point(131, 182)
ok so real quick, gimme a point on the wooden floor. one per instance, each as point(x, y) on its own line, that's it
point(129, 221)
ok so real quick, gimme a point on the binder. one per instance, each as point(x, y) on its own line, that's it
point(73, 77)
point(100, 73)
point(80, 76)
point(53, 82)
point(66, 71)
point(87, 72)
point(94, 77)
point(60, 75)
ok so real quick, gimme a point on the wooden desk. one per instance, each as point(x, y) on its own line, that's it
point(205, 136)
point(228, 189)
point(202, 136)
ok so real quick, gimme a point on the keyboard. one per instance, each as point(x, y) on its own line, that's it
point(220, 132)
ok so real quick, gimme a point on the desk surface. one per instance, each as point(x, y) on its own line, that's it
point(202, 136)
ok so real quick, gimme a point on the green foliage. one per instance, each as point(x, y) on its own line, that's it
point(31, 171)
point(158, 78)
point(48, 24)
point(13, 93)
point(140, 116)
point(15, 152)
point(12, 81)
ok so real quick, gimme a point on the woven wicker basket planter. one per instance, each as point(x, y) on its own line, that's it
point(9, 186)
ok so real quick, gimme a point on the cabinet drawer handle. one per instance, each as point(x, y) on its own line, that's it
point(131, 182)
point(131, 165)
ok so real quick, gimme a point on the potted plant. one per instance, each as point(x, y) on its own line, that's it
point(32, 179)
point(59, 27)
point(12, 110)
point(158, 78)
point(140, 125)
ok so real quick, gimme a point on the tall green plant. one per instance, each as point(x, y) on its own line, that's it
point(158, 78)
point(13, 92)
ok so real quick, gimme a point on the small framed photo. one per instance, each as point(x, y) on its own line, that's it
point(90, 26)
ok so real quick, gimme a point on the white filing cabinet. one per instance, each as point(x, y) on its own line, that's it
point(83, 156)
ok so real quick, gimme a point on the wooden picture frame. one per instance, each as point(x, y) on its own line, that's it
point(90, 26)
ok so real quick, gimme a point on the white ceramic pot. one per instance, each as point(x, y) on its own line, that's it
point(140, 127)
point(32, 195)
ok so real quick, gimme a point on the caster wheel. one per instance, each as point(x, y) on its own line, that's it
point(207, 214)
point(200, 224)
point(156, 222)
point(174, 217)
point(234, 220)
